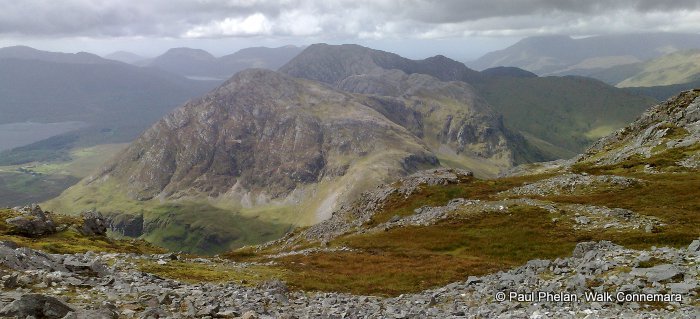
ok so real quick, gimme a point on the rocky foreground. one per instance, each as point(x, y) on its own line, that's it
point(106, 285)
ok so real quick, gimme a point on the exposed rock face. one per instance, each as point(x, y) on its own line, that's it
point(451, 114)
point(674, 124)
point(431, 98)
point(259, 137)
point(33, 222)
point(93, 224)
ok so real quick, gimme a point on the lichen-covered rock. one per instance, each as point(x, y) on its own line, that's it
point(33, 222)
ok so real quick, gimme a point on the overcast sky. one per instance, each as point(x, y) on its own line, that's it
point(462, 29)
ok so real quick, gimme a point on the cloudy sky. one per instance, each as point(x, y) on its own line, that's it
point(462, 29)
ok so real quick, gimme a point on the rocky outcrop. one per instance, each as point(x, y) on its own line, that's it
point(572, 184)
point(94, 224)
point(672, 125)
point(33, 222)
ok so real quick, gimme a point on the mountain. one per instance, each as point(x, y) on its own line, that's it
point(113, 101)
point(260, 57)
point(563, 55)
point(264, 146)
point(458, 125)
point(439, 243)
point(187, 62)
point(562, 115)
point(675, 68)
point(636, 189)
point(333, 63)
point(126, 57)
point(27, 53)
point(558, 116)
point(198, 63)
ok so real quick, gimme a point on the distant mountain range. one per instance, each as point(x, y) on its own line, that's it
point(126, 57)
point(200, 64)
point(289, 147)
point(563, 55)
point(116, 100)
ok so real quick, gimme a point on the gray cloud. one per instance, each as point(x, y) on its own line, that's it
point(376, 19)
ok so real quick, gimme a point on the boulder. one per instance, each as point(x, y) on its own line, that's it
point(23, 258)
point(90, 268)
point(94, 224)
point(658, 273)
point(37, 306)
point(33, 222)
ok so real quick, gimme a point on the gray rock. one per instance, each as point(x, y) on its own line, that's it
point(102, 313)
point(92, 268)
point(681, 287)
point(694, 247)
point(33, 222)
point(94, 224)
point(657, 273)
point(38, 306)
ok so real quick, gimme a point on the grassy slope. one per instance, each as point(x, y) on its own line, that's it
point(675, 68)
point(410, 259)
point(39, 181)
point(567, 112)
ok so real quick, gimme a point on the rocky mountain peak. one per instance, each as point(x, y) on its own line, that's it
point(264, 136)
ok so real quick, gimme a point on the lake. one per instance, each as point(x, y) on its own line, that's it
point(18, 134)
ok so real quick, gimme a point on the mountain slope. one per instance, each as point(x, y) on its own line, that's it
point(637, 188)
point(333, 63)
point(564, 55)
point(124, 56)
point(197, 63)
point(562, 114)
point(562, 129)
point(87, 92)
point(27, 53)
point(666, 137)
point(265, 145)
point(675, 68)
point(458, 125)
